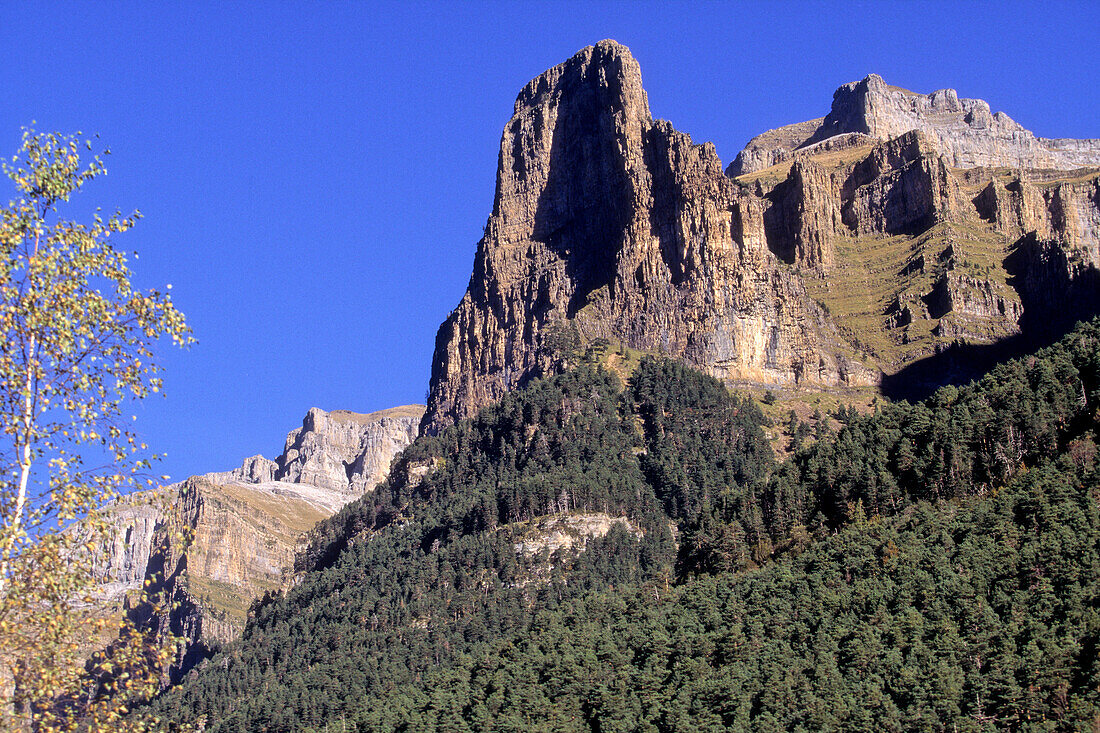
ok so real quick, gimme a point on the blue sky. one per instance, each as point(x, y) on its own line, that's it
point(315, 176)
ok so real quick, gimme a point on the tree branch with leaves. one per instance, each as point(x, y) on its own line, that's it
point(76, 352)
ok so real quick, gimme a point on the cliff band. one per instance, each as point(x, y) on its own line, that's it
point(214, 543)
point(896, 234)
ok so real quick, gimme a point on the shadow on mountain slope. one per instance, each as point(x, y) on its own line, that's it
point(1056, 293)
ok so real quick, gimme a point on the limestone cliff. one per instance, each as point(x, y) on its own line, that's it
point(345, 451)
point(214, 543)
point(840, 252)
point(616, 225)
point(221, 546)
point(135, 521)
point(964, 131)
point(929, 271)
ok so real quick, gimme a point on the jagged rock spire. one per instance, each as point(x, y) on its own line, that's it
point(610, 224)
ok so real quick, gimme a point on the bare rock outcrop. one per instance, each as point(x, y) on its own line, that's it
point(1064, 211)
point(839, 252)
point(221, 546)
point(615, 225)
point(254, 470)
point(902, 185)
point(964, 131)
point(213, 544)
point(773, 147)
point(123, 558)
point(569, 531)
point(346, 451)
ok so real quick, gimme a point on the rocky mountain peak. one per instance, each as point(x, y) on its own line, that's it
point(833, 253)
point(577, 121)
point(965, 131)
point(607, 70)
point(573, 178)
point(340, 450)
point(873, 107)
point(614, 225)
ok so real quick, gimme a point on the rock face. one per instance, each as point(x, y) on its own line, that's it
point(214, 543)
point(254, 470)
point(834, 253)
point(221, 546)
point(345, 451)
point(568, 531)
point(135, 522)
point(964, 131)
point(616, 225)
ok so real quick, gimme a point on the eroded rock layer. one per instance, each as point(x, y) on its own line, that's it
point(964, 131)
point(839, 252)
point(617, 225)
point(210, 546)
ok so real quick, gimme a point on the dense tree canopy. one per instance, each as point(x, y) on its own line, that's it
point(929, 566)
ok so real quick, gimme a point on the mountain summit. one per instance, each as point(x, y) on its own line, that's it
point(901, 239)
point(964, 131)
point(592, 553)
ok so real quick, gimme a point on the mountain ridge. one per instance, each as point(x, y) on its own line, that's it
point(213, 544)
point(586, 548)
point(968, 133)
point(607, 224)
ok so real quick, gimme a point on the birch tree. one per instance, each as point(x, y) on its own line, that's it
point(76, 353)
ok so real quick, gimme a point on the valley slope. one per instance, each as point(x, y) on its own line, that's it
point(930, 566)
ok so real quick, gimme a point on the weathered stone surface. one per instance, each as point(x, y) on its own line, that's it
point(963, 131)
point(207, 550)
point(970, 297)
point(569, 531)
point(347, 451)
point(773, 147)
point(617, 225)
point(1064, 211)
point(123, 559)
point(853, 247)
point(236, 542)
point(254, 470)
point(214, 543)
point(902, 185)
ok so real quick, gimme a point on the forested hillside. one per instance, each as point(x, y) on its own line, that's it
point(927, 567)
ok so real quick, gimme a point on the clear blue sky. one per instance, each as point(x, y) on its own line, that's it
point(315, 176)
